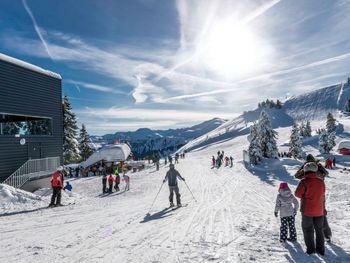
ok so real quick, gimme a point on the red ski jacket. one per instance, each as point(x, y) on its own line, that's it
point(311, 190)
point(117, 179)
point(110, 179)
point(57, 179)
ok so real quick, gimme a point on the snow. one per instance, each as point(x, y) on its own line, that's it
point(344, 144)
point(232, 221)
point(29, 66)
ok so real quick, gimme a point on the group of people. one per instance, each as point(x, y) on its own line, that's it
point(311, 191)
point(330, 163)
point(220, 160)
point(284, 155)
point(116, 180)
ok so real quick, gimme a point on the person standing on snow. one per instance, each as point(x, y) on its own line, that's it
point(288, 206)
point(231, 159)
point(126, 179)
point(117, 182)
point(213, 161)
point(171, 176)
point(311, 190)
point(57, 185)
point(110, 183)
point(104, 184)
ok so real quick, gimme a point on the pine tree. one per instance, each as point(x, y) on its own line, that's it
point(307, 130)
point(331, 125)
point(254, 150)
point(267, 136)
point(323, 142)
point(70, 143)
point(278, 104)
point(84, 146)
point(331, 141)
point(295, 143)
point(302, 129)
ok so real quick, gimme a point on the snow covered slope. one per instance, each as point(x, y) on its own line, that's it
point(310, 106)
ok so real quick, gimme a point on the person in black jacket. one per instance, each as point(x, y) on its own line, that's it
point(172, 176)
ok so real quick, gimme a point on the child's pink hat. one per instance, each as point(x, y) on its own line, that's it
point(283, 185)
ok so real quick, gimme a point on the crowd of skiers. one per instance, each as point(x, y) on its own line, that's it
point(221, 159)
point(311, 191)
point(114, 179)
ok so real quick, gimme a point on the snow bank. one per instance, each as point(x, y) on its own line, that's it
point(12, 195)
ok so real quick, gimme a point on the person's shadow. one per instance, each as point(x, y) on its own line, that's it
point(159, 215)
point(333, 254)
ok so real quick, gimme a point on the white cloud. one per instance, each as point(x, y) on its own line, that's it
point(95, 87)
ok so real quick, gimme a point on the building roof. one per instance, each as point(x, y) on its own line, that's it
point(345, 144)
point(29, 66)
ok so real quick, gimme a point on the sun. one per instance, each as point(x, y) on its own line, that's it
point(231, 49)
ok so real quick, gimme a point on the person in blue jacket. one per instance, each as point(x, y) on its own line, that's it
point(68, 187)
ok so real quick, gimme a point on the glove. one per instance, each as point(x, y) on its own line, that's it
point(163, 181)
point(276, 214)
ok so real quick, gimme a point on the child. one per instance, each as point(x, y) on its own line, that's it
point(110, 183)
point(126, 179)
point(117, 182)
point(287, 205)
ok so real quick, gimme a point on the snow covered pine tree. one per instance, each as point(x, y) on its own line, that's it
point(267, 136)
point(331, 125)
point(70, 143)
point(84, 146)
point(295, 142)
point(254, 150)
point(324, 145)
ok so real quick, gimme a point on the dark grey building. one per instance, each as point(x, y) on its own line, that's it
point(31, 125)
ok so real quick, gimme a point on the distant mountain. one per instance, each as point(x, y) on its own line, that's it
point(146, 141)
point(310, 106)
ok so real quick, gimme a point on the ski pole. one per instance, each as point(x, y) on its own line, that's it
point(190, 191)
point(155, 198)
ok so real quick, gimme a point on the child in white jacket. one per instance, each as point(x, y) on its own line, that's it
point(287, 205)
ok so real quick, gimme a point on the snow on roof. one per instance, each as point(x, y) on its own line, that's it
point(344, 144)
point(29, 66)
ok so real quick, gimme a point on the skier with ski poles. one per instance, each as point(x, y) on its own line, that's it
point(171, 176)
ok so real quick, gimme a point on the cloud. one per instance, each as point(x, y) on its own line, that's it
point(37, 29)
point(94, 87)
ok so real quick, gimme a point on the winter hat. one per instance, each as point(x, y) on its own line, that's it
point(310, 167)
point(310, 158)
point(283, 185)
point(60, 168)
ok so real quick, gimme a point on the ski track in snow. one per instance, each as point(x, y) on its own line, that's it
point(232, 221)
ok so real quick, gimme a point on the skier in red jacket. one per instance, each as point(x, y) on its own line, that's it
point(311, 190)
point(57, 185)
point(110, 183)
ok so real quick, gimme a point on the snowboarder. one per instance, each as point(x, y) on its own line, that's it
point(311, 190)
point(126, 179)
point(110, 183)
point(171, 176)
point(104, 184)
point(117, 182)
point(231, 159)
point(288, 206)
point(57, 185)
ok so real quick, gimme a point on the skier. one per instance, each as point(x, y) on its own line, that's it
point(334, 161)
point(165, 161)
point(171, 176)
point(110, 183)
point(104, 184)
point(288, 206)
point(227, 161)
point(311, 190)
point(231, 159)
point(57, 185)
point(117, 182)
point(126, 179)
point(213, 161)
point(177, 158)
point(170, 159)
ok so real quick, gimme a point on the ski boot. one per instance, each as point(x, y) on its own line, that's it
point(179, 205)
point(171, 204)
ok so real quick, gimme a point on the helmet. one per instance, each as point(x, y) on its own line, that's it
point(60, 168)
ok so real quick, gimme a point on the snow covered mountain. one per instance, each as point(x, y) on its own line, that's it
point(312, 106)
point(145, 141)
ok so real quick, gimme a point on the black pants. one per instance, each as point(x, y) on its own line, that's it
point(110, 188)
point(310, 226)
point(288, 223)
point(56, 196)
point(116, 187)
point(104, 187)
point(175, 189)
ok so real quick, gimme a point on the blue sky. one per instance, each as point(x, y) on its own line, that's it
point(165, 64)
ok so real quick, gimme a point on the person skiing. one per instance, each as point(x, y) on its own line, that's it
point(104, 183)
point(213, 161)
point(287, 205)
point(170, 159)
point(117, 182)
point(110, 183)
point(171, 176)
point(334, 162)
point(176, 158)
point(311, 190)
point(57, 185)
point(231, 159)
point(126, 179)
point(227, 161)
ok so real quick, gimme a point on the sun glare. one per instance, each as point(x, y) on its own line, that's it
point(231, 49)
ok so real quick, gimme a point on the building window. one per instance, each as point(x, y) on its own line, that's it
point(11, 124)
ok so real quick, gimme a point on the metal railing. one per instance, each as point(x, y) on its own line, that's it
point(33, 168)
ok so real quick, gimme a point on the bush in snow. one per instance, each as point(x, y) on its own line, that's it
point(84, 143)
point(70, 143)
point(295, 142)
point(331, 125)
point(254, 150)
point(268, 136)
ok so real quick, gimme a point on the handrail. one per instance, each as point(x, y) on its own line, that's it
point(31, 169)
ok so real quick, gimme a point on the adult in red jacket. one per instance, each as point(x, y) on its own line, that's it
point(311, 191)
point(110, 183)
point(57, 185)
